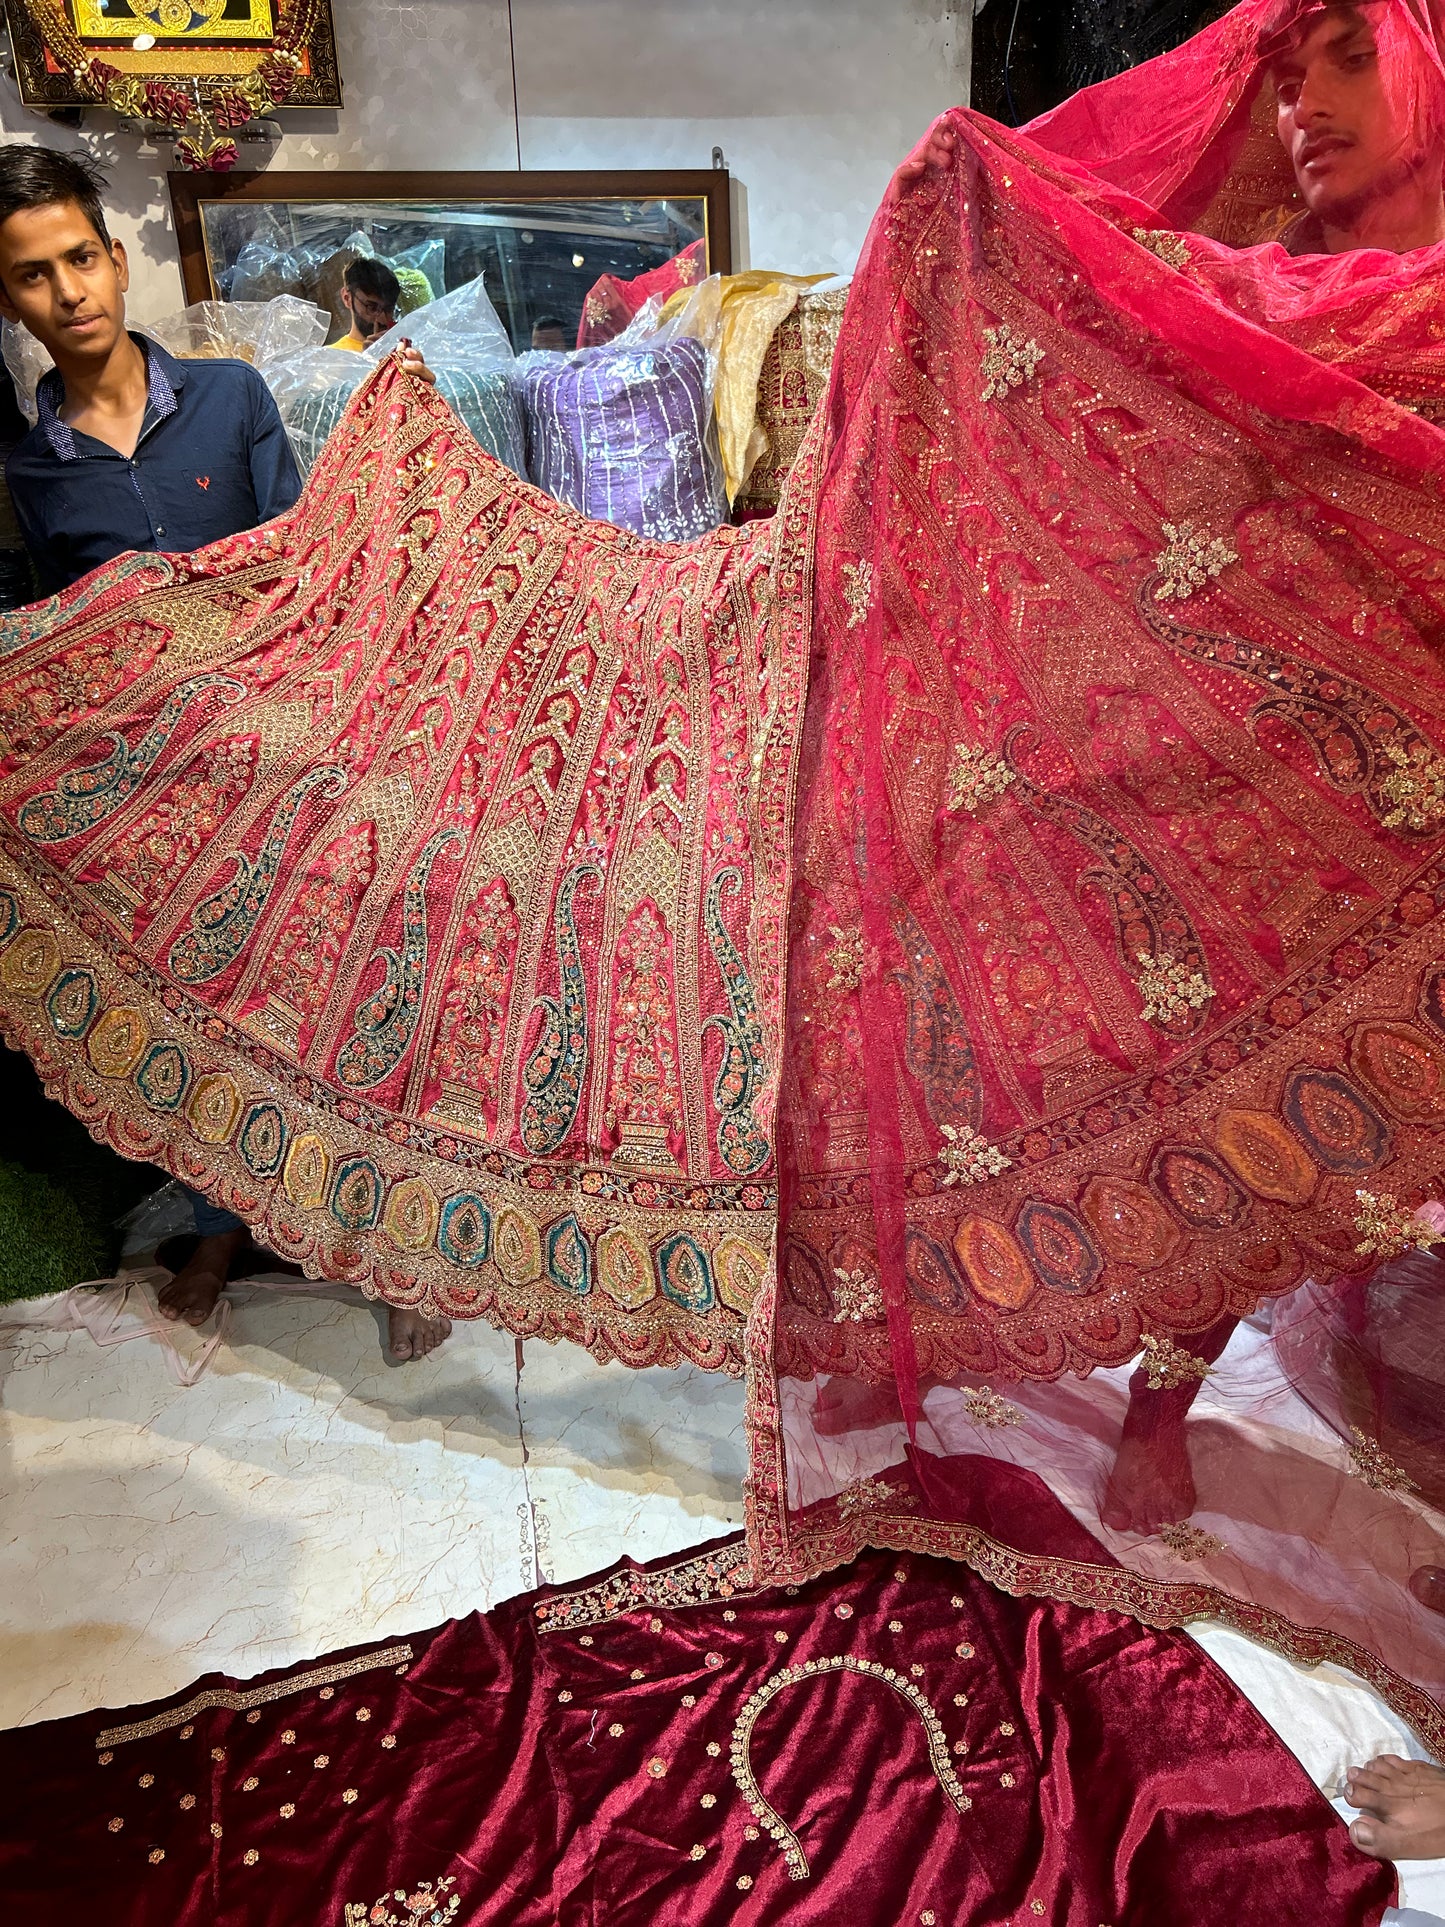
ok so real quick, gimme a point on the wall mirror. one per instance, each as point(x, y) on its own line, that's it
point(543, 241)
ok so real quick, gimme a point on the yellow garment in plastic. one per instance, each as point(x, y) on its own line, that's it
point(752, 305)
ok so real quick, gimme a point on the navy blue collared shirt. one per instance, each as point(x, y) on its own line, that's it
point(212, 460)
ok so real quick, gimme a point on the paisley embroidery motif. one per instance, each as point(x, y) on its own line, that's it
point(221, 924)
point(86, 797)
point(1153, 930)
point(385, 1023)
point(555, 1070)
point(936, 1044)
point(741, 1143)
point(1363, 744)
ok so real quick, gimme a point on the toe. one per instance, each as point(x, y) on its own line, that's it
point(1365, 1835)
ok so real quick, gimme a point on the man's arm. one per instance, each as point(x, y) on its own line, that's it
point(275, 478)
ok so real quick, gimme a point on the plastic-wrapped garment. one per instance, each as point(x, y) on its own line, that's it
point(261, 332)
point(626, 433)
point(26, 362)
point(612, 305)
point(484, 399)
point(461, 340)
point(791, 383)
point(254, 331)
point(262, 271)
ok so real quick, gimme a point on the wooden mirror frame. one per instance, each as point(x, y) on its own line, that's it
point(190, 193)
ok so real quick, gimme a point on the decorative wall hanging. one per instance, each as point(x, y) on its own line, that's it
point(200, 68)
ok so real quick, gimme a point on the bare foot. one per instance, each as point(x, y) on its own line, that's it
point(1428, 1585)
point(191, 1295)
point(1151, 1484)
point(409, 1334)
point(1402, 1804)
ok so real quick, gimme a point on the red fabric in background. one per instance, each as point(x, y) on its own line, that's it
point(566, 1759)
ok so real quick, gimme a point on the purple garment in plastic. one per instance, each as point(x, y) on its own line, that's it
point(625, 434)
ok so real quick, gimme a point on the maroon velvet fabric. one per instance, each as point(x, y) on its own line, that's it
point(567, 1759)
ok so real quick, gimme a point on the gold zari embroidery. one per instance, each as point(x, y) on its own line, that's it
point(1376, 1467)
point(1191, 561)
point(232, 1701)
point(1388, 1228)
point(746, 1780)
point(1008, 361)
point(1169, 1365)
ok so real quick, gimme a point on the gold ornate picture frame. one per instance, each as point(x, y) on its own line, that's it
point(198, 67)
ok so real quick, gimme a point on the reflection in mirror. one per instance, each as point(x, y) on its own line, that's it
point(546, 265)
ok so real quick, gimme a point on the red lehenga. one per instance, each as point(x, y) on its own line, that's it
point(411, 876)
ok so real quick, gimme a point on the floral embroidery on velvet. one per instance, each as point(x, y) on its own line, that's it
point(700, 1581)
point(431, 1904)
point(468, 1052)
point(741, 1751)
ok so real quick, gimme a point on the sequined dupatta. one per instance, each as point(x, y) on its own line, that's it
point(1116, 1013)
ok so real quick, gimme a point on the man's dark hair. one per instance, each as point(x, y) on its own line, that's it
point(370, 276)
point(550, 321)
point(41, 177)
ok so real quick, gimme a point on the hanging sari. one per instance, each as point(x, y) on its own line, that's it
point(419, 877)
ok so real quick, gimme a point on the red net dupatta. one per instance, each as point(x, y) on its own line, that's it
point(1115, 1056)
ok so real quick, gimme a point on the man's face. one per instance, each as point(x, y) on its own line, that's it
point(372, 316)
point(60, 279)
point(1337, 121)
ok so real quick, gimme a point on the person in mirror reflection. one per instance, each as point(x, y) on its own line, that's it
point(135, 450)
point(549, 333)
point(1367, 145)
point(370, 294)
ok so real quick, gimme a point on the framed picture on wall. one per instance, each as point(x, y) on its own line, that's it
point(150, 59)
point(563, 253)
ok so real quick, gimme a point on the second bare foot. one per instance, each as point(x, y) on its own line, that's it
point(410, 1334)
point(190, 1297)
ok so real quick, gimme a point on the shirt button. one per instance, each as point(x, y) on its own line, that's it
point(160, 531)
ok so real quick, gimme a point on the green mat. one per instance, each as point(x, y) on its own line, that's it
point(61, 1193)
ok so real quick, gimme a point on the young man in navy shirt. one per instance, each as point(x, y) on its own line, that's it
point(134, 450)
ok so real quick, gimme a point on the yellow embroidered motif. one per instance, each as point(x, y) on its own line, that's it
point(845, 959)
point(1190, 1542)
point(986, 1408)
point(1388, 1228)
point(858, 591)
point(901, 1684)
point(857, 1298)
point(1375, 1467)
point(976, 777)
point(1169, 1365)
point(1415, 788)
point(970, 1159)
point(1165, 243)
point(1190, 561)
point(1008, 361)
point(1170, 990)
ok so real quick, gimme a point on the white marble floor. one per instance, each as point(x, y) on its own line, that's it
point(303, 1495)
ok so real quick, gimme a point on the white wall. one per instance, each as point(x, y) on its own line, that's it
point(813, 102)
